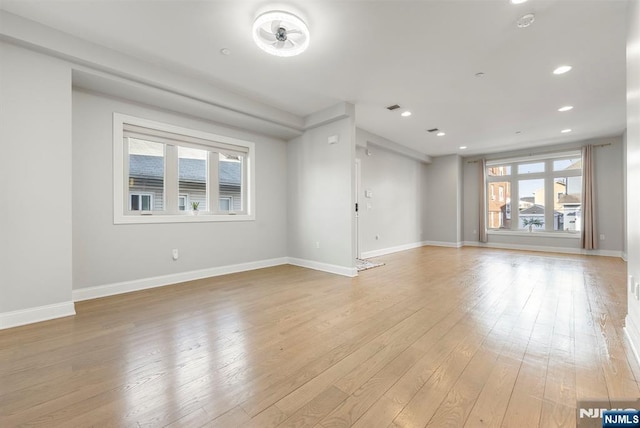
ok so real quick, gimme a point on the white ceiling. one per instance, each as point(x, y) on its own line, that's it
point(422, 55)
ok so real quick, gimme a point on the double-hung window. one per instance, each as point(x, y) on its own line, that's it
point(164, 173)
point(537, 193)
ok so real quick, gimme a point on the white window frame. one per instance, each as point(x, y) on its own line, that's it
point(212, 142)
point(140, 195)
point(549, 175)
point(186, 201)
point(228, 198)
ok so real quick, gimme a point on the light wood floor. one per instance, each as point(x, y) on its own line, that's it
point(437, 337)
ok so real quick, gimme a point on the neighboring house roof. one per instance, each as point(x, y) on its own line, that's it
point(532, 210)
point(535, 210)
point(528, 199)
point(568, 199)
point(190, 169)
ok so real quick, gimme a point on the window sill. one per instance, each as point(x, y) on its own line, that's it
point(181, 218)
point(539, 234)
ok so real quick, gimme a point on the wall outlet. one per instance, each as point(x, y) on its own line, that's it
point(174, 254)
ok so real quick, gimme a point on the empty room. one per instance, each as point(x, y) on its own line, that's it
point(320, 213)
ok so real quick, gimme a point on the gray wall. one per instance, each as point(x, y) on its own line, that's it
point(633, 164)
point(610, 198)
point(104, 253)
point(396, 211)
point(444, 193)
point(35, 180)
point(321, 196)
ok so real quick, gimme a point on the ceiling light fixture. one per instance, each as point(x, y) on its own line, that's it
point(280, 33)
point(463, 147)
point(562, 69)
point(565, 108)
point(517, 1)
point(406, 113)
point(566, 131)
point(441, 134)
point(526, 20)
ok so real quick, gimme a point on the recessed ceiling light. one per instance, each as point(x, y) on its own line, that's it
point(225, 51)
point(565, 131)
point(565, 108)
point(441, 134)
point(280, 33)
point(406, 113)
point(463, 147)
point(517, 1)
point(562, 69)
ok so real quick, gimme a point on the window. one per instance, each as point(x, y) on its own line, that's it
point(140, 201)
point(183, 202)
point(547, 190)
point(160, 170)
point(225, 204)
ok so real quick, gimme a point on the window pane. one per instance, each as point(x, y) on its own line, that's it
point(182, 202)
point(192, 177)
point(531, 204)
point(529, 168)
point(567, 164)
point(224, 204)
point(230, 181)
point(567, 203)
point(146, 175)
point(146, 202)
point(499, 205)
point(497, 171)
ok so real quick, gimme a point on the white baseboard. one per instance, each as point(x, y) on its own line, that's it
point(37, 314)
point(443, 244)
point(325, 267)
point(391, 250)
point(624, 257)
point(546, 249)
point(159, 281)
point(631, 331)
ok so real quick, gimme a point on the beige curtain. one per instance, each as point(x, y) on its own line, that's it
point(589, 234)
point(482, 226)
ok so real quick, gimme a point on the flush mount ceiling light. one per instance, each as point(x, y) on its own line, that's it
point(562, 69)
point(405, 113)
point(565, 108)
point(566, 131)
point(440, 134)
point(463, 147)
point(517, 1)
point(280, 33)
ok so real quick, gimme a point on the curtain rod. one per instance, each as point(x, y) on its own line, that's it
point(544, 153)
